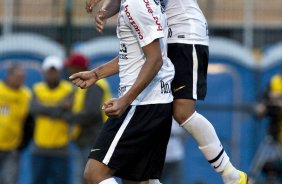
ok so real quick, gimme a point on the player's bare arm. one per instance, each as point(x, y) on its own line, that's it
point(152, 65)
point(87, 78)
point(109, 9)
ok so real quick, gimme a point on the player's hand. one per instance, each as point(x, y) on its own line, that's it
point(101, 20)
point(115, 107)
point(90, 4)
point(84, 79)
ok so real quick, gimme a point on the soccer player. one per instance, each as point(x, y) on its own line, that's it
point(132, 143)
point(188, 42)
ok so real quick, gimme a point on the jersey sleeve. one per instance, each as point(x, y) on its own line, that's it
point(145, 19)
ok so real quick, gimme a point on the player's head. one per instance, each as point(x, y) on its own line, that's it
point(52, 66)
point(76, 63)
point(15, 76)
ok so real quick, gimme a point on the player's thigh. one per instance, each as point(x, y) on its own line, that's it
point(97, 171)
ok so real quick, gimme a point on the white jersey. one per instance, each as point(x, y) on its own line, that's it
point(139, 23)
point(187, 24)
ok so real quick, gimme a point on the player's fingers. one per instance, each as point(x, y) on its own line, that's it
point(88, 7)
point(79, 83)
point(99, 19)
point(99, 28)
point(74, 76)
point(109, 103)
point(91, 4)
point(99, 23)
point(83, 85)
point(75, 81)
point(111, 112)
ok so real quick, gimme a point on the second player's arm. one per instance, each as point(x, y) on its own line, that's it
point(112, 7)
point(109, 9)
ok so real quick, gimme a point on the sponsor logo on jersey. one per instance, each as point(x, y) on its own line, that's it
point(179, 88)
point(169, 35)
point(133, 23)
point(165, 87)
point(123, 51)
point(156, 19)
point(92, 150)
point(121, 90)
point(123, 56)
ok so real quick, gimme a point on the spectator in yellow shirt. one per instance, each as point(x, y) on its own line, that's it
point(14, 107)
point(51, 99)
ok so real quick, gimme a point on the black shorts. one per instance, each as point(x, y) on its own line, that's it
point(134, 145)
point(191, 63)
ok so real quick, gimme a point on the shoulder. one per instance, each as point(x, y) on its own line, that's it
point(39, 85)
point(276, 81)
point(3, 87)
point(26, 91)
point(1, 83)
point(64, 84)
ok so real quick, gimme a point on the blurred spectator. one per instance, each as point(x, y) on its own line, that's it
point(14, 108)
point(87, 115)
point(51, 99)
point(173, 167)
point(271, 107)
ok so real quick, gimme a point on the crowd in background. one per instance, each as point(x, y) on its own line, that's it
point(48, 117)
